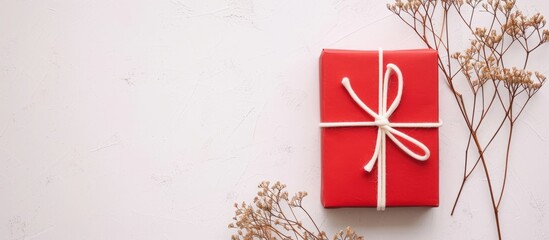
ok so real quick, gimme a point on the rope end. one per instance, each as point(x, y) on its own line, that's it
point(345, 81)
point(369, 166)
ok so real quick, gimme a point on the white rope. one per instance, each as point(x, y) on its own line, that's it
point(385, 127)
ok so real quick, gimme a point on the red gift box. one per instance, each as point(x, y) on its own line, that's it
point(346, 150)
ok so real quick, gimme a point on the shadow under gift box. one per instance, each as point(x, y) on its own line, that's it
point(346, 150)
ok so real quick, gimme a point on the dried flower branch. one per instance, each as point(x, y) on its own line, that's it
point(273, 215)
point(484, 68)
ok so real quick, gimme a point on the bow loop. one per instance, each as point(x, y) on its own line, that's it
point(390, 132)
point(392, 68)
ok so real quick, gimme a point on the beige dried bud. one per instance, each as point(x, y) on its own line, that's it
point(509, 4)
point(495, 4)
point(458, 3)
point(480, 32)
point(537, 19)
point(540, 77)
point(545, 35)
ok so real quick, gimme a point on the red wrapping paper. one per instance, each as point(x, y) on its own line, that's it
point(345, 150)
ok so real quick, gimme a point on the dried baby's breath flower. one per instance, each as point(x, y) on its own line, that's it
point(483, 66)
point(274, 216)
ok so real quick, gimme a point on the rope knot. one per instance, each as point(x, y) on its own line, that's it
point(382, 122)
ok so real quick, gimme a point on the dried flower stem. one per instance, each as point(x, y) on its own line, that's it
point(488, 78)
point(274, 216)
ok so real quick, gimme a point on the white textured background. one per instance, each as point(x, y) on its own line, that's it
point(149, 119)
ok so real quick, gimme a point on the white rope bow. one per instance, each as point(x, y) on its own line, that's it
point(385, 127)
